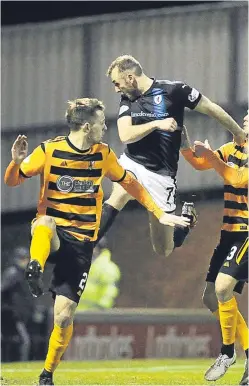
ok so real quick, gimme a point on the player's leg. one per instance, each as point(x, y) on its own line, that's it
point(44, 240)
point(163, 190)
point(233, 269)
point(209, 297)
point(118, 198)
point(162, 236)
point(68, 282)
point(165, 238)
point(64, 310)
point(111, 208)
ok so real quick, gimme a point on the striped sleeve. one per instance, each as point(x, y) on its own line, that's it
point(34, 163)
point(114, 171)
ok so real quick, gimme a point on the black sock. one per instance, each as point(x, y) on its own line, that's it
point(228, 349)
point(46, 374)
point(246, 352)
point(107, 218)
point(180, 233)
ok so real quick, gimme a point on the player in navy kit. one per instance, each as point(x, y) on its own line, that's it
point(147, 107)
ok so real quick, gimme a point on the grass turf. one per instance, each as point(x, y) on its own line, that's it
point(123, 372)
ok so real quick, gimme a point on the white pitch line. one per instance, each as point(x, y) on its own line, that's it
point(118, 369)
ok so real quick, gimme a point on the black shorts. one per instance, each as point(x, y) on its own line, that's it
point(230, 257)
point(72, 264)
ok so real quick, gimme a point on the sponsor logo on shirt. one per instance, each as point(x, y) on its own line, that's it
point(67, 184)
point(193, 95)
point(150, 115)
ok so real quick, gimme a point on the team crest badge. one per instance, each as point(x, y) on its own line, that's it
point(158, 99)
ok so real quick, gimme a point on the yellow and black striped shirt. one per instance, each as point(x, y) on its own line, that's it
point(235, 216)
point(71, 189)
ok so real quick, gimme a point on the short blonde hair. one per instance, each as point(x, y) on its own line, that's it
point(82, 110)
point(125, 62)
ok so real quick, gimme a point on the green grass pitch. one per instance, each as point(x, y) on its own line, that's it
point(122, 372)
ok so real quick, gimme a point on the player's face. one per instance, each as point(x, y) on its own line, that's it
point(124, 83)
point(98, 127)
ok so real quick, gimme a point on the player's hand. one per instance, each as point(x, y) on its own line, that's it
point(201, 148)
point(167, 124)
point(172, 220)
point(241, 137)
point(19, 149)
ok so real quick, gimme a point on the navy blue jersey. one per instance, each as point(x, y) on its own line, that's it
point(159, 150)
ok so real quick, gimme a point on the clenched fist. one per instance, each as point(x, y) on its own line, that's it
point(167, 124)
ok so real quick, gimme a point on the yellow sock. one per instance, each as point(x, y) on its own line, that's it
point(242, 332)
point(58, 343)
point(228, 320)
point(40, 244)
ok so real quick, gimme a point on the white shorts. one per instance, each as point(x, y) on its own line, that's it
point(161, 188)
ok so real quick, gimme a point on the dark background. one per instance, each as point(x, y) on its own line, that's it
point(15, 12)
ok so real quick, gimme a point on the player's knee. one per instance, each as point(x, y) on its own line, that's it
point(64, 315)
point(48, 221)
point(223, 290)
point(168, 252)
point(161, 250)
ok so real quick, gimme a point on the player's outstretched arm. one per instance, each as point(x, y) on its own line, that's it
point(206, 106)
point(235, 177)
point(21, 166)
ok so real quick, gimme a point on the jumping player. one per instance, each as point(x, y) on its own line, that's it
point(151, 153)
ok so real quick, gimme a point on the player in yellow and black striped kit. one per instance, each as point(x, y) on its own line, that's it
point(228, 270)
point(71, 170)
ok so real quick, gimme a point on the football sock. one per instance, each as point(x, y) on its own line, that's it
point(58, 343)
point(241, 330)
point(40, 244)
point(108, 216)
point(180, 233)
point(228, 320)
point(228, 350)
